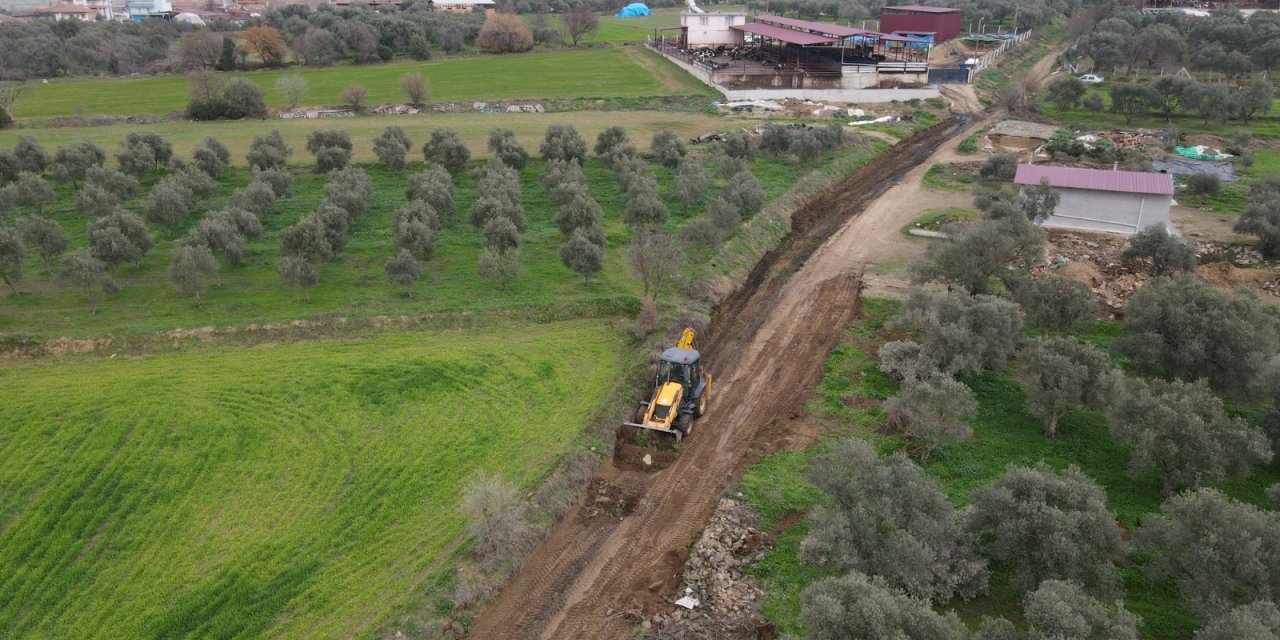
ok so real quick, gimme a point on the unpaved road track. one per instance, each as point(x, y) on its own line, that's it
point(767, 346)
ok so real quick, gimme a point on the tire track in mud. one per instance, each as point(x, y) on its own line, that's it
point(766, 348)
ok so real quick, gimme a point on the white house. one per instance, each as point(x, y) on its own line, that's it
point(1101, 200)
point(712, 29)
point(74, 10)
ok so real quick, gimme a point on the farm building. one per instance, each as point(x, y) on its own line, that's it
point(1100, 200)
point(712, 29)
point(462, 6)
point(942, 23)
point(775, 57)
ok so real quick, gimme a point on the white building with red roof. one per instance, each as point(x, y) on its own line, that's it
point(1101, 200)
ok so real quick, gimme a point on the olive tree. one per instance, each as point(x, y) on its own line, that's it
point(349, 188)
point(642, 207)
point(1060, 609)
point(169, 204)
point(689, 183)
point(1047, 525)
point(562, 180)
point(1256, 621)
point(191, 270)
point(82, 270)
point(45, 237)
point(435, 187)
point(221, 236)
point(500, 196)
point(930, 410)
point(332, 149)
point(1000, 166)
point(71, 162)
point(563, 142)
point(95, 201)
point(1261, 216)
point(1163, 253)
point(391, 147)
point(141, 153)
point(257, 198)
point(12, 254)
point(404, 270)
point(961, 332)
point(884, 516)
point(1220, 551)
point(1039, 201)
point(307, 240)
point(1062, 374)
point(857, 606)
point(972, 256)
point(499, 266)
point(269, 153)
point(503, 144)
point(119, 238)
point(416, 228)
point(446, 148)
point(298, 273)
point(579, 211)
point(1180, 431)
point(280, 181)
point(245, 223)
point(211, 157)
point(745, 193)
point(668, 148)
point(1054, 303)
point(1065, 93)
point(1186, 328)
point(610, 139)
point(582, 256)
point(30, 155)
point(31, 191)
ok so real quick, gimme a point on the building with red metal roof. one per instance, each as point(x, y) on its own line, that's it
point(943, 22)
point(1102, 200)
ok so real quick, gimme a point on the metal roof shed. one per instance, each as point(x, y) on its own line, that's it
point(946, 22)
point(1100, 200)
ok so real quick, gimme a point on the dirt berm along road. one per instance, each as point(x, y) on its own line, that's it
point(600, 567)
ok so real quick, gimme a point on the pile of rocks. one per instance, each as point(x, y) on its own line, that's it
point(727, 600)
point(1095, 259)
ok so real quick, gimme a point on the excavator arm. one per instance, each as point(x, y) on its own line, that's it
point(686, 339)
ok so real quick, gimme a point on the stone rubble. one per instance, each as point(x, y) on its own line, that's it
point(730, 600)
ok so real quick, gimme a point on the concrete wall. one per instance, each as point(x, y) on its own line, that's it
point(1109, 211)
point(855, 95)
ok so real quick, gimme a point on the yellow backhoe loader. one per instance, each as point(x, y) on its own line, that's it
point(680, 393)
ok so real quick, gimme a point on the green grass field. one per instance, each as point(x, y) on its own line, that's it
point(588, 73)
point(303, 490)
point(1003, 434)
point(1265, 126)
point(473, 127)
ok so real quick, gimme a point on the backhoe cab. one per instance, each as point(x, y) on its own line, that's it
point(680, 393)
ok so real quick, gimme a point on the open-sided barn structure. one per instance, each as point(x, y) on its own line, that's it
point(776, 53)
point(1099, 200)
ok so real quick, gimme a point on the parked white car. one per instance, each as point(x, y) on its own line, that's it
point(1089, 78)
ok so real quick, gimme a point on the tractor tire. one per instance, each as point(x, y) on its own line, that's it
point(701, 407)
point(682, 426)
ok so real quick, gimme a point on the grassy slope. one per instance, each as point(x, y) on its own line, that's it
point(299, 490)
point(560, 74)
point(1003, 434)
point(473, 127)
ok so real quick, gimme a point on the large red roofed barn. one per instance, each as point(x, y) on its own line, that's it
point(943, 22)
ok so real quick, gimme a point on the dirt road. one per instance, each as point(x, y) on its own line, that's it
point(596, 570)
point(620, 553)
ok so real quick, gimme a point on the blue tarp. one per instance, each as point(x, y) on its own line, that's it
point(634, 10)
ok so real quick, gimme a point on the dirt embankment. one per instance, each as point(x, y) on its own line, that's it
point(600, 569)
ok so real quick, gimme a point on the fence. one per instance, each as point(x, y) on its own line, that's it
point(989, 58)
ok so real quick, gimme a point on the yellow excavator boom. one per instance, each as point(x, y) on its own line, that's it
point(686, 339)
